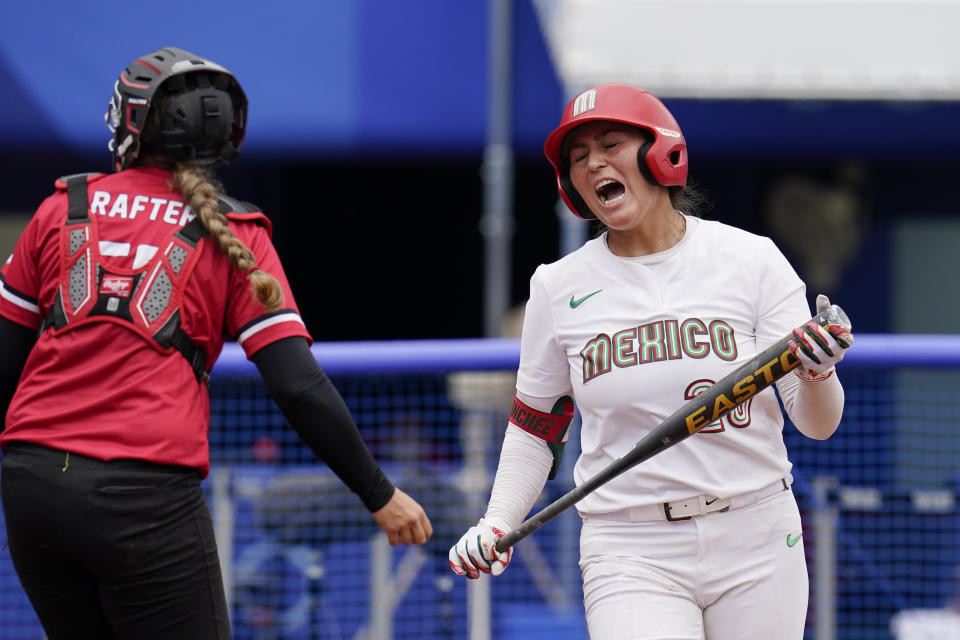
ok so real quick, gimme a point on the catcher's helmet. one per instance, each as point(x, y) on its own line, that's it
point(663, 160)
point(204, 122)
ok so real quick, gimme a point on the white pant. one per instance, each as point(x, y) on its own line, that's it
point(727, 575)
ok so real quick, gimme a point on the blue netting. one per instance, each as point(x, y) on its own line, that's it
point(303, 558)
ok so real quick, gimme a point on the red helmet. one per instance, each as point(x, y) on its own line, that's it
point(663, 160)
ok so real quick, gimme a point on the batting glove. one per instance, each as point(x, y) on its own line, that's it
point(474, 553)
point(819, 348)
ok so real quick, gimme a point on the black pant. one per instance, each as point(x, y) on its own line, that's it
point(120, 549)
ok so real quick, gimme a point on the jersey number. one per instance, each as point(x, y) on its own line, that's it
point(141, 255)
point(738, 417)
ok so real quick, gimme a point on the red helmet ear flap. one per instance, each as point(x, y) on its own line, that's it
point(666, 158)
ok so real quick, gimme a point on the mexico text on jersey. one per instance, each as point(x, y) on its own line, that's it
point(655, 342)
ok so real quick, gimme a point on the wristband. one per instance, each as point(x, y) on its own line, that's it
point(551, 427)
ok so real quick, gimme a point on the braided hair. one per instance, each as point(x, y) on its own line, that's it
point(201, 189)
point(198, 185)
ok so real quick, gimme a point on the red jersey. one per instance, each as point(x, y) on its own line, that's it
point(102, 390)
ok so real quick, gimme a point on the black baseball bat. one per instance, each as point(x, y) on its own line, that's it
point(716, 401)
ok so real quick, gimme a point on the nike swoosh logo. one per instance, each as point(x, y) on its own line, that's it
point(576, 302)
point(712, 501)
point(793, 540)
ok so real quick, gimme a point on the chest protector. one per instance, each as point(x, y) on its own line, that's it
point(145, 300)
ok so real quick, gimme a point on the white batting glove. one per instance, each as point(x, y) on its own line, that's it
point(819, 348)
point(474, 553)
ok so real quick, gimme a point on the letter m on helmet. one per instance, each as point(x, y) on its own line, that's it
point(585, 102)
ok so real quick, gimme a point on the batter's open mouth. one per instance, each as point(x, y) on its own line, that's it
point(610, 191)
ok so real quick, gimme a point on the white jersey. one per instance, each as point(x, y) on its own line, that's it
point(634, 338)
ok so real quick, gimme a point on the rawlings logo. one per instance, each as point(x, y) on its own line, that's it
point(119, 286)
point(668, 132)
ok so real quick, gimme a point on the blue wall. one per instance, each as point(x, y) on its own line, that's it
point(322, 77)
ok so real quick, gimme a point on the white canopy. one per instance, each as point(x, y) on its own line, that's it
point(822, 49)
